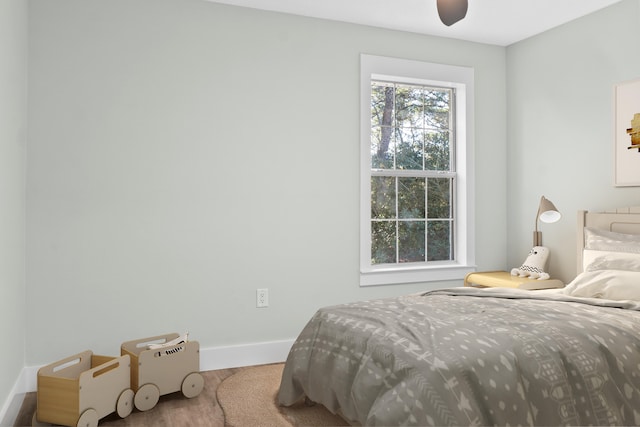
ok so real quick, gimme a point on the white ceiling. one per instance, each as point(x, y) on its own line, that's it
point(499, 22)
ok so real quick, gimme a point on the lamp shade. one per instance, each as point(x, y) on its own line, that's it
point(547, 211)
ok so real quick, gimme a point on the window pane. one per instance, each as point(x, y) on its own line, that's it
point(437, 107)
point(382, 106)
point(411, 197)
point(410, 106)
point(439, 198)
point(439, 246)
point(437, 121)
point(410, 148)
point(382, 148)
point(437, 154)
point(383, 197)
point(383, 242)
point(411, 241)
point(410, 124)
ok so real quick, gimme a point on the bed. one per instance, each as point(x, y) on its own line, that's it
point(493, 356)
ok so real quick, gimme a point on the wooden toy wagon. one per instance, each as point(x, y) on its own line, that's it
point(161, 365)
point(80, 390)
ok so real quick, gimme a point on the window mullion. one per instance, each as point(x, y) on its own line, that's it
point(426, 219)
point(412, 173)
point(397, 220)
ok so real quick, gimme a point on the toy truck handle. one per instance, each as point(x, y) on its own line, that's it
point(76, 363)
point(104, 368)
point(136, 346)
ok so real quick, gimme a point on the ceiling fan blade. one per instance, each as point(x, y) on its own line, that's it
point(451, 11)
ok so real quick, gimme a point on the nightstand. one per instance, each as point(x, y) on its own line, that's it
point(504, 279)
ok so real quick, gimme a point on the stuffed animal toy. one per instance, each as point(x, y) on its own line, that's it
point(534, 265)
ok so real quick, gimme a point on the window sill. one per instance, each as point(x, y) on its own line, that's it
point(396, 276)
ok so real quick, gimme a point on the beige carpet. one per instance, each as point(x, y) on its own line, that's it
point(248, 398)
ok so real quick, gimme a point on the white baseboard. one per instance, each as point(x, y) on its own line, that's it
point(210, 359)
point(11, 408)
point(244, 355)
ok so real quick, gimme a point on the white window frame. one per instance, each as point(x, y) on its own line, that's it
point(424, 73)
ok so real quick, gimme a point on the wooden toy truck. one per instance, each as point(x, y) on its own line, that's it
point(164, 370)
point(80, 390)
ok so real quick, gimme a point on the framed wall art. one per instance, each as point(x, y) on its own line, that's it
point(627, 133)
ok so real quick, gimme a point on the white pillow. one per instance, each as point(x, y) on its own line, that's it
point(589, 255)
point(602, 240)
point(606, 284)
point(605, 260)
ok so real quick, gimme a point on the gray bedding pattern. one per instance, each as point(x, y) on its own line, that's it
point(469, 357)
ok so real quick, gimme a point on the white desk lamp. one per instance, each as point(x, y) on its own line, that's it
point(548, 213)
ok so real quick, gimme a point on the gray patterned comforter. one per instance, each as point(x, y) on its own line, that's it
point(470, 357)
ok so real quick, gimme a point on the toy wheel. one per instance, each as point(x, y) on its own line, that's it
point(89, 418)
point(192, 385)
point(124, 407)
point(146, 397)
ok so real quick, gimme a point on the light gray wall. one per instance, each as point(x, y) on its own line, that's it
point(560, 98)
point(184, 153)
point(13, 134)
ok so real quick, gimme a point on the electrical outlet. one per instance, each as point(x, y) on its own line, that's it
point(262, 298)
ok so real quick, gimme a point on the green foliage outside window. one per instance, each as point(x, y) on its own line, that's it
point(411, 145)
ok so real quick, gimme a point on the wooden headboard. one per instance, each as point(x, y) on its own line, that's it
point(623, 220)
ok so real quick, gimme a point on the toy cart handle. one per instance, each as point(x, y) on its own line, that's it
point(104, 368)
point(142, 343)
point(66, 363)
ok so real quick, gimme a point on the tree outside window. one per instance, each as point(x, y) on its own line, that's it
point(412, 173)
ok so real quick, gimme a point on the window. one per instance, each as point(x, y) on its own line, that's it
point(416, 192)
